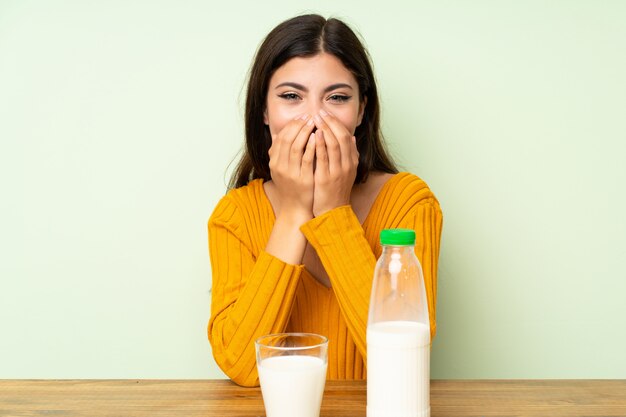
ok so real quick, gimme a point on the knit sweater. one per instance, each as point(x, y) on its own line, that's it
point(255, 293)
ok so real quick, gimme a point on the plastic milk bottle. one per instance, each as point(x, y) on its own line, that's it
point(398, 332)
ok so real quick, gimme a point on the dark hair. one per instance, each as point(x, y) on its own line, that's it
point(305, 36)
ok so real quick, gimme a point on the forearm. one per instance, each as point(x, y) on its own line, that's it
point(239, 316)
point(349, 259)
point(339, 240)
point(252, 294)
point(287, 242)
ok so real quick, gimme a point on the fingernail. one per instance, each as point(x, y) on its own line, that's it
point(317, 118)
point(310, 122)
point(305, 116)
point(323, 113)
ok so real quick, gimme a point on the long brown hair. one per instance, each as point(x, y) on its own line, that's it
point(305, 36)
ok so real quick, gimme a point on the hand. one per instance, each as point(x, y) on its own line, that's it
point(337, 162)
point(291, 166)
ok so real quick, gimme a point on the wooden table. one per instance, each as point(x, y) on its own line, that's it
point(220, 398)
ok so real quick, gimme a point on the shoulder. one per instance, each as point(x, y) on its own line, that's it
point(411, 188)
point(404, 201)
point(237, 203)
point(404, 193)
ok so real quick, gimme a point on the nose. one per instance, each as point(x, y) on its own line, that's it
point(314, 107)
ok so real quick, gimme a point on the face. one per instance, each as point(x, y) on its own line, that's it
point(308, 85)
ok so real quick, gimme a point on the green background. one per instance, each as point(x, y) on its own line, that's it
point(119, 120)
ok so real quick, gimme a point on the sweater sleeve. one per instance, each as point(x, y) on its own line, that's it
point(349, 260)
point(340, 242)
point(428, 223)
point(252, 295)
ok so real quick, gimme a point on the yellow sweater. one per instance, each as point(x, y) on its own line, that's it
point(255, 293)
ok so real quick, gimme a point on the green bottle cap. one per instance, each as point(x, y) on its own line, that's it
point(397, 237)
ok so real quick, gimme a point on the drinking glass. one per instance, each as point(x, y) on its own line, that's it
point(292, 373)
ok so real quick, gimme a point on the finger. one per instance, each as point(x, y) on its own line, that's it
point(333, 149)
point(335, 125)
point(287, 136)
point(306, 168)
point(299, 143)
point(342, 135)
point(291, 128)
point(355, 152)
point(320, 154)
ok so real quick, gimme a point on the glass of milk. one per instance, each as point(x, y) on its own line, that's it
point(292, 372)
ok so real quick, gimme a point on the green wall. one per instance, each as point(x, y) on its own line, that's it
point(118, 121)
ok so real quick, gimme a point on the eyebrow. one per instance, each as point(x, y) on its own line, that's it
point(303, 88)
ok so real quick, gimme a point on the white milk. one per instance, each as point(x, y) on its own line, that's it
point(398, 369)
point(292, 386)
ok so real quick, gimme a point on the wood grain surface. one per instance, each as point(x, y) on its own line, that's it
point(221, 398)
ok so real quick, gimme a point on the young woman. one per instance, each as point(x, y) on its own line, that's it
point(294, 243)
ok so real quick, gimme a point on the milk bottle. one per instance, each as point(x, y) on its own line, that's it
point(398, 332)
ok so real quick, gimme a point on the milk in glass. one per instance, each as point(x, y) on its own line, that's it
point(292, 386)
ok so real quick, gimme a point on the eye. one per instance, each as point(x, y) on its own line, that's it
point(339, 98)
point(289, 96)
